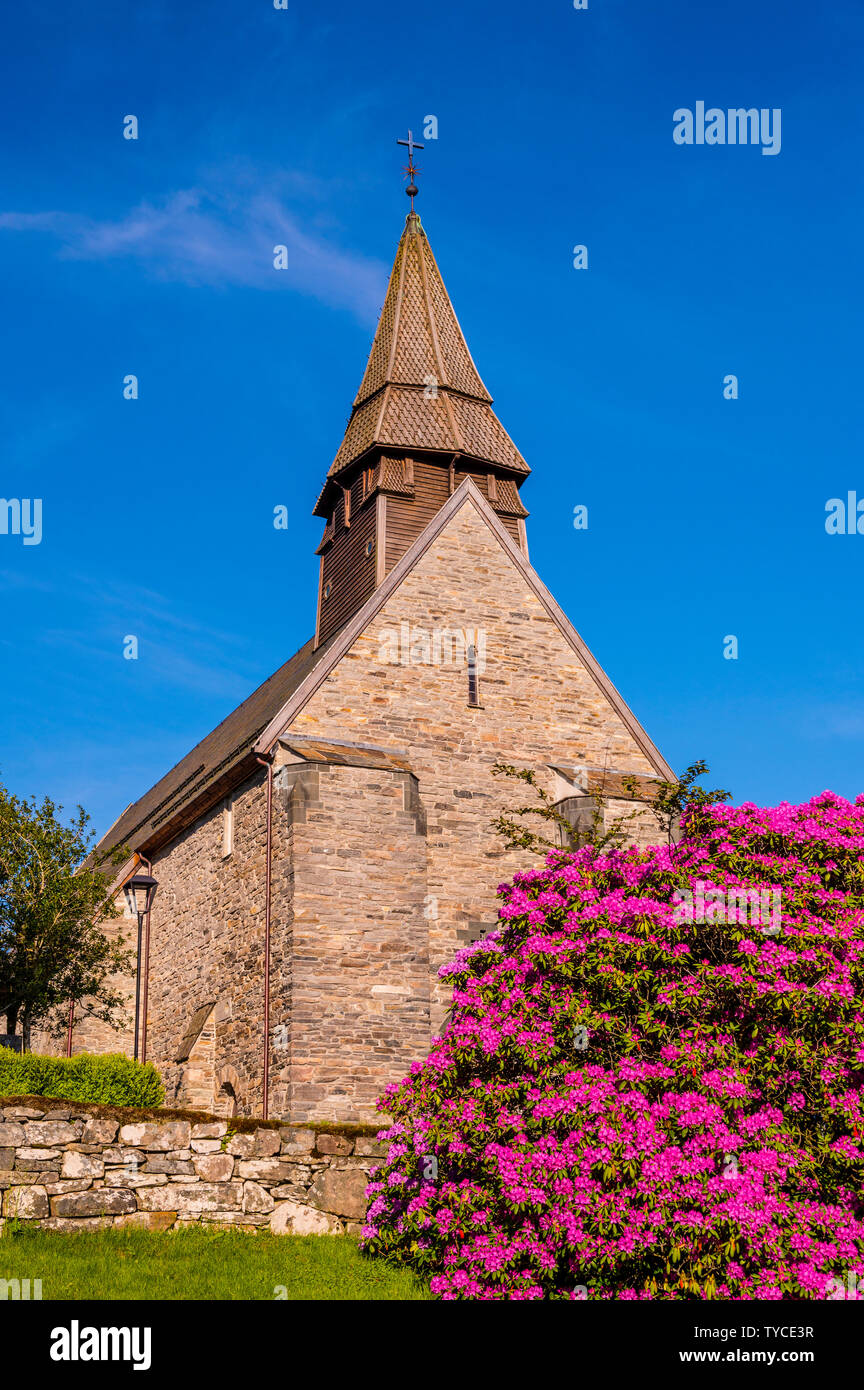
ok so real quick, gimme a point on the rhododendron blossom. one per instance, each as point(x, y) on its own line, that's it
point(641, 1104)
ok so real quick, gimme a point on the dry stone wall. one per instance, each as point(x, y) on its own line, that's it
point(73, 1167)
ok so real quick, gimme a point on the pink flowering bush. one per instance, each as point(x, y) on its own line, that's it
point(634, 1103)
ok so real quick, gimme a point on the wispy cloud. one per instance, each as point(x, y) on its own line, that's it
point(220, 238)
point(176, 652)
point(165, 666)
point(119, 597)
point(839, 721)
point(850, 726)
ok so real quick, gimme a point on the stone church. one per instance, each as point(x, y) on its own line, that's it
point(328, 847)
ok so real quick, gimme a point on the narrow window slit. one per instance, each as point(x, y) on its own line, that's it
point(473, 683)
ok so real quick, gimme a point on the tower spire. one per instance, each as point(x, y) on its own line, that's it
point(421, 389)
point(422, 421)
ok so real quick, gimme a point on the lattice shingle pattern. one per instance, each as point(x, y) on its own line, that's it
point(421, 389)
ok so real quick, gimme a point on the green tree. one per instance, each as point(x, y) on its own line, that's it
point(52, 899)
point(667, 803)
point(519, 836)
point(671, 799)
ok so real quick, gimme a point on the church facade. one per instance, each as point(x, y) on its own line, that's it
point(329, 846)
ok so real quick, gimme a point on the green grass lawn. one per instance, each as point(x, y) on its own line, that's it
point(197, 1263)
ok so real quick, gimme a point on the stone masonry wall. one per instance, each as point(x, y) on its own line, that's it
point(68, 1167)
point(378, 877)
point(207, 948)
point(359, 1012)
point(538, 706)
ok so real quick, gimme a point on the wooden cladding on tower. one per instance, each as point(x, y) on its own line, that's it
point(407, 515)
point(347, 573)
point(379, 514)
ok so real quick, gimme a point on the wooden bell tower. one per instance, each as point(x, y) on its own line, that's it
point(421, 422)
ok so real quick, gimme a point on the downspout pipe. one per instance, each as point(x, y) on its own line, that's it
point(140, 916)
point(268, 763)
point(149, 866)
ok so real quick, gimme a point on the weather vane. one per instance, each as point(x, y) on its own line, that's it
point(409, 169)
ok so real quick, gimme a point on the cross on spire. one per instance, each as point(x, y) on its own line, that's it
point(409, 169)
point(412, 145)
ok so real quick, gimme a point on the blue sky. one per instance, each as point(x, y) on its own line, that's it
point(260, 127)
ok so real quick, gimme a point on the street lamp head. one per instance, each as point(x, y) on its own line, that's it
point(139, 892)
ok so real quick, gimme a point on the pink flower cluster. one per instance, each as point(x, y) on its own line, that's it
point(640, 1105)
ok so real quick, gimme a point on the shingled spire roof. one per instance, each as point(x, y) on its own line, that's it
point(421, 389)
point(418, 334)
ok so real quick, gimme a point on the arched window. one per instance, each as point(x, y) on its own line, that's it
point(227, 1100)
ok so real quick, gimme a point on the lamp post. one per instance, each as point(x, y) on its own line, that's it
point(139, 895)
